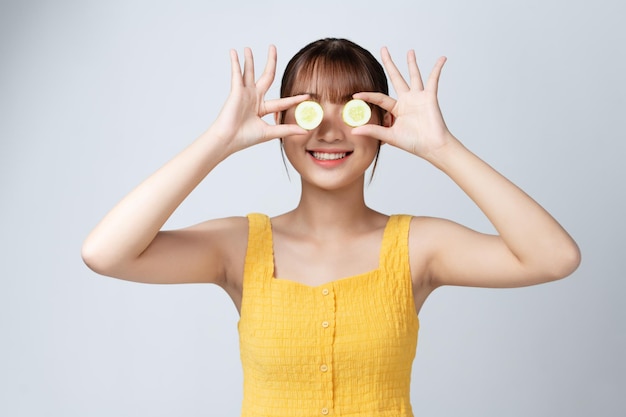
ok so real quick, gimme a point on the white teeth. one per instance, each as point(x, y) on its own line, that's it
point(328, 156)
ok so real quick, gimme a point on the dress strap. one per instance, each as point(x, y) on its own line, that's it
point(394, 253)
point(259, 261)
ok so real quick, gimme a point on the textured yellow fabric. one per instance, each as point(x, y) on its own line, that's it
point(344, 348)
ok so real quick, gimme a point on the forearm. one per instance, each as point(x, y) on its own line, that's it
point(533, 236)
point(129, 228)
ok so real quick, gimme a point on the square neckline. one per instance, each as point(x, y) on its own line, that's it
point(334, 281)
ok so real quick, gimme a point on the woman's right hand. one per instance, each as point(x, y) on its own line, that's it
point(128, 242)
point(240, 123)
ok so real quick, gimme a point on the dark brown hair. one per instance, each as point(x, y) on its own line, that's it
point(340, 67)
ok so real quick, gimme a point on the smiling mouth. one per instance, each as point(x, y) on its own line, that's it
point(326, 156)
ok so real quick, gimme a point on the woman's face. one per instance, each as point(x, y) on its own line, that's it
point(330, 156)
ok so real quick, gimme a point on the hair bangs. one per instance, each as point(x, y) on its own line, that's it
point(333, 78)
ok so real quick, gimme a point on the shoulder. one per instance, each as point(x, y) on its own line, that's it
point(230, 234)
point(426, 238)
point(226, 238)
point(429, 235)
point(219, 233)
point(426, 230)
point(234, 224)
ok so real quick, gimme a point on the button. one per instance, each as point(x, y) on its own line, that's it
point(324, 368)
point(324, 410)
point(325, 291)
point(325, 324)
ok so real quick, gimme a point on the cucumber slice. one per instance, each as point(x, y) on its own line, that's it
point(309, 114)
point(356, 112)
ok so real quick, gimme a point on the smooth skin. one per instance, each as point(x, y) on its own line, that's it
point(331, 234)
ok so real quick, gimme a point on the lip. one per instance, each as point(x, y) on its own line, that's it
point(333, 154)
point(329, 150)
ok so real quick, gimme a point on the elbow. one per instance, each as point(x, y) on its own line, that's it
point(96, 259)
point(574, 259)
point(565, 261)
point(91, 258)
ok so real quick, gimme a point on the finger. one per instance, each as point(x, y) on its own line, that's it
point(281, 131)
point(381, 100)
point(248, 67)
point(398, 82)
point(235, 70)
point(267, 78)
point(414, 71)
point(281, 104)
point(374, 131)
point(433, 79)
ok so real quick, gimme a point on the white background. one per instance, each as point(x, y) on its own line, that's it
point(95, 95)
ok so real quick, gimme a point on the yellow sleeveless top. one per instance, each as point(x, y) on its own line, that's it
point(344, 348)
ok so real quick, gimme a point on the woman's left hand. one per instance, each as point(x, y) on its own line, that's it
point(417, 124)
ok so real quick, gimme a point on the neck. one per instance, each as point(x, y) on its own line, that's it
point(327, 213)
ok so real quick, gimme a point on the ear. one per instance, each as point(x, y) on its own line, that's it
point(388, 119)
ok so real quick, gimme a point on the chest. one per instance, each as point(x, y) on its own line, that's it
point(316, 263)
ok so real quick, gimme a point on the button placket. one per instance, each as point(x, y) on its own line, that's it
point(327, 322)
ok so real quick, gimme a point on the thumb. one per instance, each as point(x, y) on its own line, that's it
point(280, 131)
point(375, 131)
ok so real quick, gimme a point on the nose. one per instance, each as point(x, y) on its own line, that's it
point(332, 128)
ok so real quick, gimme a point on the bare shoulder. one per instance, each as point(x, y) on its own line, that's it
point(425, 237)
point(222, 226)
point(423, 230)
point(228, 238)
point(427, 228)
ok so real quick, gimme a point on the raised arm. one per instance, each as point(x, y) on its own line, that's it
point(128, 242)
point(530, 246)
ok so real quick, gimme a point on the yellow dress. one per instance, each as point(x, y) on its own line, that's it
point(344, 348)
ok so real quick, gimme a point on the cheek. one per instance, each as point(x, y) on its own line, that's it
point(293, 152)
point(375, 146)
point(294, 145)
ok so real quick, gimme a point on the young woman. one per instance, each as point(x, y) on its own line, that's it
point(329, 293)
